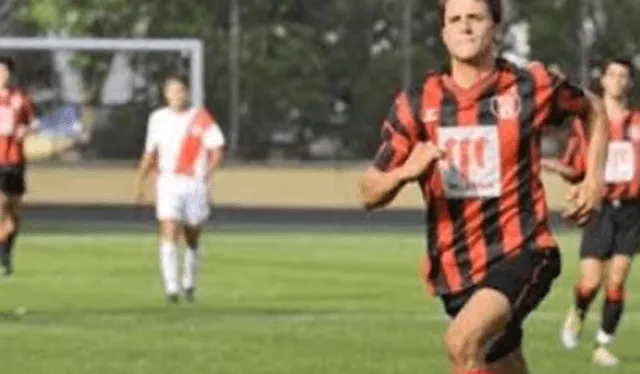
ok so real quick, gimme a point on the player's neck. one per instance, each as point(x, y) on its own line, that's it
point(616, 108)
point(178, 109)
point(466, 74)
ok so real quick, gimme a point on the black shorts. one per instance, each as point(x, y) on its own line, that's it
point(614, 230)
point(12, 180)
point(525, 280)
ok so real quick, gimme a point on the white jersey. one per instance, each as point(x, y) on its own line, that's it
point(182, 140)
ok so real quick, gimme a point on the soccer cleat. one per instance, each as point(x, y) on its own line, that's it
point(571, 329)
point(602, 356)
point(190, 294)
point(173, 298)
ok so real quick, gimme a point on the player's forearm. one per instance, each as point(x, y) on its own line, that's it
point(145, 167)
point(213, 161)
point(565, 171)
point(598, 141)
point(378, 189)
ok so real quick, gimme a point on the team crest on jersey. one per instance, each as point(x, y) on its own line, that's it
point(506, 106)
point(634, 132)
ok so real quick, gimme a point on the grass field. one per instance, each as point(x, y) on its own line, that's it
point(272, 304)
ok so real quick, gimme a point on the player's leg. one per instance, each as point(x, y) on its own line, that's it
point(196, 213)
point(168, 234)
point(595, 249)
point(612, 309)
point(483, 317)
point(6, 229)
point(525, 280)
point(14, 209)
point(168, 213)
point(626, 244)
point(190, 264)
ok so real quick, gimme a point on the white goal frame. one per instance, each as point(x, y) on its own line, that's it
point(194, 47)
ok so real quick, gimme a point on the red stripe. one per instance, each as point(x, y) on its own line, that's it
point(432, 99)
point(192, 143)
point(509, 219)
point(541, 102)
point(472, 213)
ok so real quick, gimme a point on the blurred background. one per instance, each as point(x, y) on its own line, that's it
point(296, 85)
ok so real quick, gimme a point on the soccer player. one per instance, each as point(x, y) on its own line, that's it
point(16, 123)
point(613, 238)
point(470, 137)
point(185, 146)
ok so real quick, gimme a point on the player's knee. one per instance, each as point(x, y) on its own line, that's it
point(462, 351)
point(590, 283)
point(614, 291)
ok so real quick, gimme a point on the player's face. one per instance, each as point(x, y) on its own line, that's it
point(5, 75)
point(616, 81)
point(468, 30)
point(175, 94)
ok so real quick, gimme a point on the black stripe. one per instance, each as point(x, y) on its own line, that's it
point(524, 173)
point(449, 118)
point(414, 97)
point(394, 120)
point(490, 206)
point(626, 126)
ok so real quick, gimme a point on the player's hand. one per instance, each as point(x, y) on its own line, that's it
point(20, 133)
point(138, 192)
point(422, 156)
point(584, 199)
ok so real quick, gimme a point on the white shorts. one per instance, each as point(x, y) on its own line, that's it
point(182, 199)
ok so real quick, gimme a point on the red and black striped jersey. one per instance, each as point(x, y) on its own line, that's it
point(485, 200)
point(16, 109)
point(622, 173)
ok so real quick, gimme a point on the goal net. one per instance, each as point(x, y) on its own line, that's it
point(93, 96)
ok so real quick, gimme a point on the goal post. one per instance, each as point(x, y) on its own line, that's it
point(107, 126)
point(194, 47)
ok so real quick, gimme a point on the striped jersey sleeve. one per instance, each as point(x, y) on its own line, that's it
point(399, 133)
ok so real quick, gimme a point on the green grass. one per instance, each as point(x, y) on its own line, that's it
point(278, 304)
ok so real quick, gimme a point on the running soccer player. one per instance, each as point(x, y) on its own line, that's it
point(185, 146)
point(470, 137)
point(613, 238)
point(16, 123)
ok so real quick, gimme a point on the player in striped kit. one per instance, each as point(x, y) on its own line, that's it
point(469, 137)
point(185, 146)
point(16, 123)
point(613, 237)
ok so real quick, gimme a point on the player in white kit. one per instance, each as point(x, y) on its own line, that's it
point(184, 146)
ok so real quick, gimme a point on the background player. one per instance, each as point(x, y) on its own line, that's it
point(185, 146)
point(492, 258)
point(614, 236)
point(16, 122)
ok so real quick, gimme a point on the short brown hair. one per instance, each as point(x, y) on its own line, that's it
point(495, 9)
point(175, 77)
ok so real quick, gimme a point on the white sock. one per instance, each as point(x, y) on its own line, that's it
point(189, 270)
point(603, 338)
point(169, 267)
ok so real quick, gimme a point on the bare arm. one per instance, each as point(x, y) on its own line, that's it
point(567, 173)
point(596, 128)
point(214, 158)
point(145, 167)
point(378, 188)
